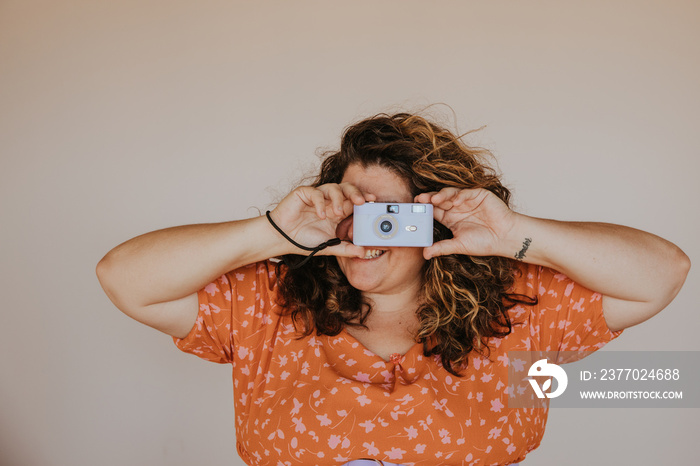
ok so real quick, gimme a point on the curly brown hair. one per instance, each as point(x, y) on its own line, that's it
point(465, 299)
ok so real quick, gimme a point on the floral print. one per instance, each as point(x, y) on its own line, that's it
point(328, 400)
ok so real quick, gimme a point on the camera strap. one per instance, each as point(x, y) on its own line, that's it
point(330, 242)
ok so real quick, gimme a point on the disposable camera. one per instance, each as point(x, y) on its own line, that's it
point(388, 224)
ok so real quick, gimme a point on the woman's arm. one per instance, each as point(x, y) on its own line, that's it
point(154, 277)
point(637, 273)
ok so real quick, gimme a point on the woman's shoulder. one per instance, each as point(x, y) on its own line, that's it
point(258, 273)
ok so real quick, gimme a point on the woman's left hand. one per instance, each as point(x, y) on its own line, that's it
point(478, 219)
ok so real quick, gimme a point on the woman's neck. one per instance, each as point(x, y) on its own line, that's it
point(393, 310)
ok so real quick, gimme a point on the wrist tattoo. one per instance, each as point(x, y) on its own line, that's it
point(520, 255)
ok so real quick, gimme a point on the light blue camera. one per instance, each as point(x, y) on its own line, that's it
point(390, 224)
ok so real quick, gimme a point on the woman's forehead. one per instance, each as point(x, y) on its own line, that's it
point(380, 181)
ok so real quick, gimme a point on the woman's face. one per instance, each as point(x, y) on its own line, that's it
point(396, 269)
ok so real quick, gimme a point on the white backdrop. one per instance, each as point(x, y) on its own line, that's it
point(118, 118)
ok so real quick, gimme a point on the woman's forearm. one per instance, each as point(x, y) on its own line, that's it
point(616, 261)
point(169, 264)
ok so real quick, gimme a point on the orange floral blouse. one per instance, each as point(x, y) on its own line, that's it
point(328, 400)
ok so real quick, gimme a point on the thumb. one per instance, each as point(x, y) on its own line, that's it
point(442, 248)
point(344, 249)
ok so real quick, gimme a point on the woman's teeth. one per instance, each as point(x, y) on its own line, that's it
point(374, 253)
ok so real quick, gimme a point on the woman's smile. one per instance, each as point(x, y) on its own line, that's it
point(373, 254)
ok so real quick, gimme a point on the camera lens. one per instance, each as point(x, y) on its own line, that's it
point(386, 226)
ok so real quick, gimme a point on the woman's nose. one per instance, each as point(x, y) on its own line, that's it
point(344, 229)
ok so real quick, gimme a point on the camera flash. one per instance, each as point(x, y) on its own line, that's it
point(418, 209)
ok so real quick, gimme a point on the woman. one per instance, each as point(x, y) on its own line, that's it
point(396, 354)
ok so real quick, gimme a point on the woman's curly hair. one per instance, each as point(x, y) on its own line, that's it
point(465, 299)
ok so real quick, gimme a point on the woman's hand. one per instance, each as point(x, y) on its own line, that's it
point(310, 216)
point(478, 219)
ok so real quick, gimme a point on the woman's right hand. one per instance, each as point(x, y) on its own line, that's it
point(311, 215)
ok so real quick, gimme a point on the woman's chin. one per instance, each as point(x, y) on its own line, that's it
point(363, 281)
point(364, 285)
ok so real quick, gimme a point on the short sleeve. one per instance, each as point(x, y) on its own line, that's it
point(230, 307)
point(567, 316)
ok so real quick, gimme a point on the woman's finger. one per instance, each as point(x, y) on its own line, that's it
point(424, 198)
point(443, 248)
point(439, 215)
point(344, 249)
point(335, 194)
point(352, 193)
point(314, 198)
point(445, 194)
point(466, 195)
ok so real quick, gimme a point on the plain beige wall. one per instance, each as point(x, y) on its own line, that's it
point(118, 118)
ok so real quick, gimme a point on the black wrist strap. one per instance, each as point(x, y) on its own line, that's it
point(330, 242)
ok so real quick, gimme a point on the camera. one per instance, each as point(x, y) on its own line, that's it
point(390, 224)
